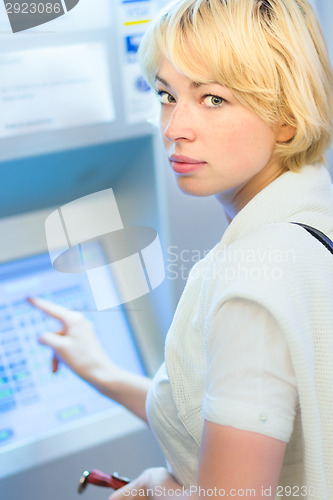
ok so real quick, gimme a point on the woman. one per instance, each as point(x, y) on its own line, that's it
point(243, 405)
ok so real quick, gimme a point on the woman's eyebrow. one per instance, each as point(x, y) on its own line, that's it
point(160, 79)
point(192, 84)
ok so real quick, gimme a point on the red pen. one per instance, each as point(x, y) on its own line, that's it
point(99, 478)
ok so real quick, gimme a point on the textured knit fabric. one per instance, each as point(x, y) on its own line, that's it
point(262, 258)
point(251, 385)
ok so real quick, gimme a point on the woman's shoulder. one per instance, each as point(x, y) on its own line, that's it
point(270, 263)
point(283, 242)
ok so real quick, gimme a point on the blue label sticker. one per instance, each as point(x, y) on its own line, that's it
point(132, 43)
point(141, 84)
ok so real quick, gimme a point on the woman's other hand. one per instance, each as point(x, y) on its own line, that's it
point(153, 483)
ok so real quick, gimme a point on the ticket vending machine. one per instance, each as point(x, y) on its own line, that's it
point(74, 122)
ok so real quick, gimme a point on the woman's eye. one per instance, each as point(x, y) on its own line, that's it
point(165, 97)
point(213, 101)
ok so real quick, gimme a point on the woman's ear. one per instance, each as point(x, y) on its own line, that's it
point(285, 132)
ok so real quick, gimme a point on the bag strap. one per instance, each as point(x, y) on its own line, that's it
point(318, 235)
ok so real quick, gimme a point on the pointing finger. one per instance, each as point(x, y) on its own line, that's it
point(55, 310)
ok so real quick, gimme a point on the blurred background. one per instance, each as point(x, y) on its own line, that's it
point(76, 118)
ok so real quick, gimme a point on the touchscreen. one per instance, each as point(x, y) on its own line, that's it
point(33, 400)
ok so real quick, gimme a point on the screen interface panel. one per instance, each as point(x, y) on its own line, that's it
point(33, 400)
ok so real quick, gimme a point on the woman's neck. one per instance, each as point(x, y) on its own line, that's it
point(236, 198)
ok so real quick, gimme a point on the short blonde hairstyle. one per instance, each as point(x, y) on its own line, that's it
point(270, 53)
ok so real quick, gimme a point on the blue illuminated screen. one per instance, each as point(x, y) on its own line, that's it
point(33, 400)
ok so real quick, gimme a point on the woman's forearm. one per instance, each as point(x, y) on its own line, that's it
point(126, 388)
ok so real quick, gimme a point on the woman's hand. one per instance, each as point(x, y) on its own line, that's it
point(76, 343)
point(152, 483)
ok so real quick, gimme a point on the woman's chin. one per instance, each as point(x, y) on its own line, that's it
point(194, 187)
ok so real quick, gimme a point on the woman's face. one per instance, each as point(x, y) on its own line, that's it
point(215, 144)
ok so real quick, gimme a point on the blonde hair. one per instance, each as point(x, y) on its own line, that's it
point(270, 53)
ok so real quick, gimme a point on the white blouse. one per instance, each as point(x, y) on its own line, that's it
point(250, 385)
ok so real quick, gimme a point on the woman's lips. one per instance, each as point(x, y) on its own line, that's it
point(184, 164)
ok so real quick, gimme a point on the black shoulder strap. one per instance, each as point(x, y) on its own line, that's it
point(318, 235)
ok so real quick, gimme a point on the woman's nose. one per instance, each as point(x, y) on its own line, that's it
point(178, 126)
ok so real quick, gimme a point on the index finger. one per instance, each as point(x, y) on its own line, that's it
point(58, 312)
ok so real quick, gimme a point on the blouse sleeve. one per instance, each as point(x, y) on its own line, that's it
point(250, 384)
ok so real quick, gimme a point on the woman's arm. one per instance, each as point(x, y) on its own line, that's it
point(77, 346)
point(236, 461)
point(233, 464)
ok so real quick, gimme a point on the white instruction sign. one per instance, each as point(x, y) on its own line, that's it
point(54, 88)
